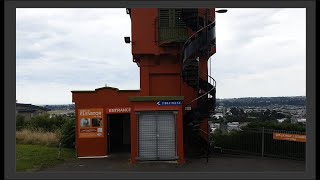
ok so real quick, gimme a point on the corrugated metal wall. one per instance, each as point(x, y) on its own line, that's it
point(157, 136)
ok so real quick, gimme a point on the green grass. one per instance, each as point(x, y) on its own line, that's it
point(38, 157)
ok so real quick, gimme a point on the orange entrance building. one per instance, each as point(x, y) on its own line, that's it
point(166, 119)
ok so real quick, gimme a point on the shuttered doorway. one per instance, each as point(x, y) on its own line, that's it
point(157, 135)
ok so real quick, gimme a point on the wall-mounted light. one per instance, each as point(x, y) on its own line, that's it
point(222, 11)
point(128, 10)
point(127, 40)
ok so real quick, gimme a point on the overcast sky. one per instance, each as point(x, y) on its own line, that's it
point(260, 53)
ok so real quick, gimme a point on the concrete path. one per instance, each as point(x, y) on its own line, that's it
point(221, 163)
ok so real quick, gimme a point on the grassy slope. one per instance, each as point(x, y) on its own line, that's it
point(37, 157)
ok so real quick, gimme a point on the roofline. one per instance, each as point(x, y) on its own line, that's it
point(23, 104)
point(107, 87)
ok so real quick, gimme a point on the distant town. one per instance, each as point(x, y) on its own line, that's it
point(238, 112)
point(295, 106)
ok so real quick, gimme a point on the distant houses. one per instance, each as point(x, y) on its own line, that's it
point(29, 111)
point(233, 126)
point(67, 113)
point(300, 120)
point(228, 127)
point(214, 126)
point(281, 120)
point(217, 115)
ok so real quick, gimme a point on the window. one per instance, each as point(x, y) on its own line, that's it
point(171, 26)
point(171, 18)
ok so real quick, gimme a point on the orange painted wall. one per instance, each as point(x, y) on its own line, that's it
point(142, 30)
point(100, 99)
point(161, 76)
point(112, 98)
point(160, 66)
point(144, 26)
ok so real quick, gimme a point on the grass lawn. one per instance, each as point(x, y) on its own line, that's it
point(36, 157)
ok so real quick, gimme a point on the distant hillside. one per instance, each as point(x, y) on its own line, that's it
point(60, 107)
point(262, 101)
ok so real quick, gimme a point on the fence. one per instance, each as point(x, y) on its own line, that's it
point(262, 142)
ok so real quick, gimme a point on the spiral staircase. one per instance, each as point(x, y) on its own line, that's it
point(197, 47)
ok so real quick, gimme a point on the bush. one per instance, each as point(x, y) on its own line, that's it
point(276, 126)
point(20, 122)
point(45, 123)
point(46, 131)
point(68, 133)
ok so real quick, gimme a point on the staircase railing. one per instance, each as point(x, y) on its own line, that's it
point(208, 145)
point(208, 92)
point(201, 40)
point(193, 44)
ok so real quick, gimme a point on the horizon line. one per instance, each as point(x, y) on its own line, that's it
point(216, 98)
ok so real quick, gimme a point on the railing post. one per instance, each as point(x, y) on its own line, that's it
point(59, 154)
point(262, 144)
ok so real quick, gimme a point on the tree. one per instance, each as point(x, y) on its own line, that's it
point(234, 111)
point(68, 133)
point(287, 121)
point(20, 122)
point(267, 113)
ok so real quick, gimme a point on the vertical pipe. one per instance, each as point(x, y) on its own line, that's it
point(108, 133)
point(210, 73)
point(262, 146)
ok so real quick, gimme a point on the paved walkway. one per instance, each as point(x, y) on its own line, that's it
point(222, 163)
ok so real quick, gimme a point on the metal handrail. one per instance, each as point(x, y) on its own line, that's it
point(213, 21)
point(204, 132)
point(214, 86)
point(208, 134)
point(184, 46)
point(191, 37)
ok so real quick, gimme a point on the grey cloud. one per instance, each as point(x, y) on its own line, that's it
point(83, 49)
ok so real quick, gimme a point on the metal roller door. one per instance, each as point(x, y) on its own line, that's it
point(147, 140)
point(157, 136)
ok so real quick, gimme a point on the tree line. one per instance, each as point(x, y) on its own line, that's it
point(262, 101)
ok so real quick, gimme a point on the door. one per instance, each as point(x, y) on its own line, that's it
point(108, 132)
point(157, 136)
point(166, 136)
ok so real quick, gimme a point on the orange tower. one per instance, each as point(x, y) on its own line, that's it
point(167, 118)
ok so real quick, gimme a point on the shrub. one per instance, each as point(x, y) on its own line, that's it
point(67, 133)
point(45, 123)
point(276, 126)
point(20, 122)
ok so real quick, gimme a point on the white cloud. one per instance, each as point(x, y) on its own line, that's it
point(264, 43)
point(285, 81)
point(59, 50)
point(262, 52)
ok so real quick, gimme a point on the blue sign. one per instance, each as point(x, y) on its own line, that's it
point(169, 103)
